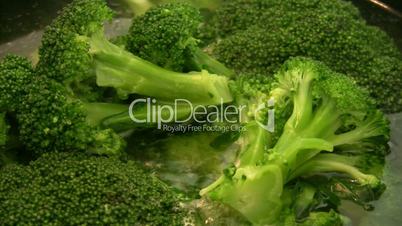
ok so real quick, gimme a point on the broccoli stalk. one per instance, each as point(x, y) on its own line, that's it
point(323, 163)
point(203, 61)
point(138, 7)
point(326, 105)
point(129, 74)
point(118, 118)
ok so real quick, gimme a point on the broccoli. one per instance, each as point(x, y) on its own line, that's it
point(302, 208)
point(330, 218)
point(3, 139)
point(237, 15)
point(329, 111)
point(54, 110)
point(304, 204)
point(323, 163)
point(76, 189)
point(15, 74)
point(122, 121)
point(311, 134)
point(164, 35)
point(258, 36)
point(11, 149)
point(48, 117)
point(50, 120)
point(75, 51)
point(138, 7)
point(51, 117)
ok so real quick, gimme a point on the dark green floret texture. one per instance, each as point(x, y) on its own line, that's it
point(3, 139)
point(258, 36)
point(171, 28)
point(16, 73)
point(50, 120)
point(48, 116)
point(67, 189)
point(63, 54)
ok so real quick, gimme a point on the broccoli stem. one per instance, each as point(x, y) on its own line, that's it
point(258, 140)
point(323, 163)
point(304, 199)
point(212, 186)
point(130, 74)
point(117, 116)
point(203, 61)
point(123, 121)
point(138, 7)
point(303, 103)
point(325, 121)
point(97, 112)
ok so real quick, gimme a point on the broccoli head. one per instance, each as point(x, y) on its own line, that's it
point(238, 15)
point(165, 34)
point(51, 120)
point(15, 74)
point(76, 189)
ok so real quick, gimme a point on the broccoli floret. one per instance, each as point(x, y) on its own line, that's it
point(329, 31)
point(63, 50)
point(48, 117)
point(329, 110)
point(72, 55)
point(15, 74)
point(76, 189)
point(164, 35)
point(50, 120)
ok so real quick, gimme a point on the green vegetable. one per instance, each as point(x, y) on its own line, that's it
point(307, 138)
point(74, 51)
point(50, 120)
point(15, 74)
point(76, 189)
point(48, 117)
point(164, 35)
point(3, 139)
point(259, 36)
point(329, 111)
